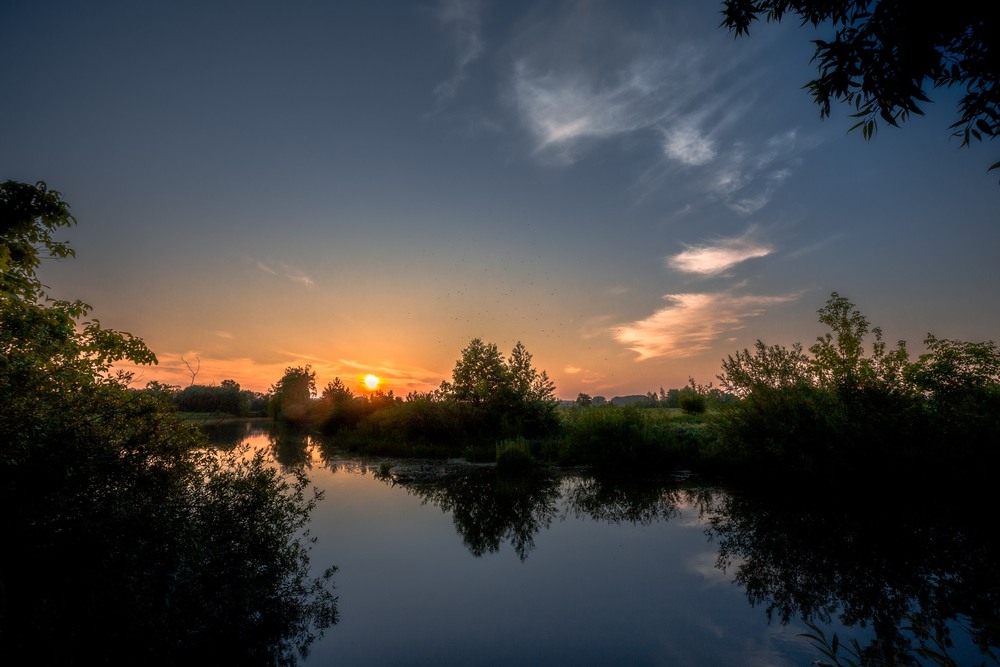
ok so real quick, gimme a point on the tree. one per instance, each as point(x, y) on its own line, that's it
point(291, 396)
point(767, 367)
point(29, 214)
point(511, 396)
point(584, 401)
point(527, 382)
point(886, 52)
point(844, 407)
point(337, 392)
point(480, 377)
point(127, 539)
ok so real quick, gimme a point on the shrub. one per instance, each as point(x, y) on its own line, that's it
point(514, 455)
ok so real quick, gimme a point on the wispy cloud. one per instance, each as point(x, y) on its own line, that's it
point(285, 271)
point(265, 268)
point(687, 144)
point(655, 83)
point(566, 96)
point(691, 323)
point(561, 109)
point(299, 277)
point(221, 334)
point(462, 20)
point(715, 258)
point(752, 173)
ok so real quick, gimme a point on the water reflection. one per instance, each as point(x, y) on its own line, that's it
point(920, 578)
point(913, 581)
point(489, 509)
point(641, 503)
point(228, 434)
point(899, 576)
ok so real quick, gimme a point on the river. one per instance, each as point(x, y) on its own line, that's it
point(445, 563)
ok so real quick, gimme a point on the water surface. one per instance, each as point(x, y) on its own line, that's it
point(443, 563)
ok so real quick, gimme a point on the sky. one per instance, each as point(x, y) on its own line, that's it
point(365, 187)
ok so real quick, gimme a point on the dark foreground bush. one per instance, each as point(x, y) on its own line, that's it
point(125, 540)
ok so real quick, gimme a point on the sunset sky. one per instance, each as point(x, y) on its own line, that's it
point(366, 186)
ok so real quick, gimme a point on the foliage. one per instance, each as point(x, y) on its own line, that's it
point(291, 396)
point(126, 539)
point(885, 52)
point(227, 397)
point(508, 397)
point(692, 403)
point(614, 439)
point(841, 407)
point(514, 455)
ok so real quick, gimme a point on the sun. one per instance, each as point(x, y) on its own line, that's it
point(372, 381)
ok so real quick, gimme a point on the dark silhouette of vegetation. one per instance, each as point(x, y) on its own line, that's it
point(291, 396)
point(489, 399)
point(509, 397)
point(876, 414)
point(227, 398)
point(885, 52)
point(126, 539)
point(779, 412)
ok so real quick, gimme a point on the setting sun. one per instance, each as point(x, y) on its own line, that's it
point(372, 381)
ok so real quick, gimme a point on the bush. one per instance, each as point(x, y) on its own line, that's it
point(514, 456)
point(692, 403)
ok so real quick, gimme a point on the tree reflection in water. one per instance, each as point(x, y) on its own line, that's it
point(909, 577)
point(488, 509)
point(619, 502)
point(290, 446)
point(912, 574)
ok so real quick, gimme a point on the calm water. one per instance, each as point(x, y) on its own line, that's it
point(445, 564)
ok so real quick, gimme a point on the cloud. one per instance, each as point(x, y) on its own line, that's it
point(688, 145)
point(220, 334)
point(668, 81)
point(691, 323)
point(594, 73)
point(299, 277)
point(713, 259)
point(561, 109)
point(462, 20)
point(265, 268)
point(286, 271)
point(753, 173)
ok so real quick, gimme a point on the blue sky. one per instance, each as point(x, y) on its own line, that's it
point(366, 186)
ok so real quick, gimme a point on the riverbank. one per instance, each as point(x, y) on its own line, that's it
point(213, 418)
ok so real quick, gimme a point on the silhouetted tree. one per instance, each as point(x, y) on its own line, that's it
point(885, 52)
point(291, 396)
point(126, 539)
point(510, 397)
